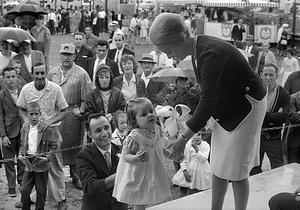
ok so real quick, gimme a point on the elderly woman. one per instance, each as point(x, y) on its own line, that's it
point(105, 98)
point(129, 83)
point(231, 94)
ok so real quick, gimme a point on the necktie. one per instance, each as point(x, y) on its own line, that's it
point(118, 56)
point(158, 57)
point(107, 159)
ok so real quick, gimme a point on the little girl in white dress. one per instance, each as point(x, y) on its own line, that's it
point(141, 177)
point(195, 173)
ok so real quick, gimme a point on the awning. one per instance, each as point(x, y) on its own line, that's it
point(181, 2)
point(239, 3)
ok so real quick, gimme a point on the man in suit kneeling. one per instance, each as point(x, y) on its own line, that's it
point(97, 165)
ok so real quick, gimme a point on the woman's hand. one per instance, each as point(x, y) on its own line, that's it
point(187, 177)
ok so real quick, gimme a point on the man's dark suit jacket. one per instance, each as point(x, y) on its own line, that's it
point(276, 118)
point(294, 134)
point(81, 57)
point(10, 121)
point(92, 170)
point(140, 85)
point(237, 33)
point(292, 84)
point(112, 65)
point(22, 27)
point(112, 53)
point(36, 57)
point(153, 89)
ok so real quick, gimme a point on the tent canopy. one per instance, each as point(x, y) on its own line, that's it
point(225, 3)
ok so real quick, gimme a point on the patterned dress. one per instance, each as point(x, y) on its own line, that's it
point(142, 183)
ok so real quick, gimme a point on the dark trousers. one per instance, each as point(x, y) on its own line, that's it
point(284, 201)
point(12, 151)
point(273, 149)
point(39, 180)
point(51, 26)
point(293, 154)
point(73, 172)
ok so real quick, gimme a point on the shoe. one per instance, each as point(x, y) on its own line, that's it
point(12, 192)
point(62, 205)
point(77, 184)
point(19, 205)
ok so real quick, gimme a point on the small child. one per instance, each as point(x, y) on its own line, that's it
point(36, 166)
point(119, 134)
point(141, 177)
point(195, 172)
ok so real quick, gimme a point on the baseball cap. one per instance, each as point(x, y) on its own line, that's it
point(67, 48)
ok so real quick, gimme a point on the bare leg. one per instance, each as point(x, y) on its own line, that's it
point(219, 189)
point(139, 207)
point(241, 193)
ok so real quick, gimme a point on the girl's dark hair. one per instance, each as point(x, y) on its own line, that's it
point(132, 109)
point(290, 51)
point(116, 117)
point(101, 68)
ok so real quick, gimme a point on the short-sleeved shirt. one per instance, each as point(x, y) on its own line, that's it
point(50, 99)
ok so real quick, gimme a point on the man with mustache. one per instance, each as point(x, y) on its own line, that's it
point(53, 110)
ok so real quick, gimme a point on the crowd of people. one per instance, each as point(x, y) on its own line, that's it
point(97, 90)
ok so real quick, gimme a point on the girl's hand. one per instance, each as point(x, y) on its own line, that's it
point(142, 156)
point(195, 147)
point(297, 195)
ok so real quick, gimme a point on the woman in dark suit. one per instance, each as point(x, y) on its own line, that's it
point(231, 93)
point(129, 83)
point(105, 98)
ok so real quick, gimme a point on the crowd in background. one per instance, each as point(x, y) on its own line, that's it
point(100, 76)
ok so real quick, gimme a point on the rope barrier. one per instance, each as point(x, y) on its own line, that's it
point(80, 146)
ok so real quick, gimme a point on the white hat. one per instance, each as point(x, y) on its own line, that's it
point(67, 48)
point(285, 25)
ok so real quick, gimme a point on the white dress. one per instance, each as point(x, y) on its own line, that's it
point(142, 183)
point(144, 24)
point(197, 166)
point(235, 153)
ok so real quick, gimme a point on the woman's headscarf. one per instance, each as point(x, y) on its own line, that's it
point(100, 69)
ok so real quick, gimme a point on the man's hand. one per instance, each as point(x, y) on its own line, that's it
point(188, 178)
point(43, 125)
point(142, 156)
point(5, 141)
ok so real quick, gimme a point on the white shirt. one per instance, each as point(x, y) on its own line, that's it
point(146, 80)
point(129, 90)
point(52, 16)
point(97, 64)
point(116, 135)
point(101, 14)
point(28, 62)
point(32, 140)
point(163, 59)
